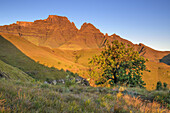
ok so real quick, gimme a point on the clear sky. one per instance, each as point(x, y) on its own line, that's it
point(140, 21)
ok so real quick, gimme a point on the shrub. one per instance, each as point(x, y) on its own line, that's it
point(69, 82)
point(159, 85)
point(165, 85)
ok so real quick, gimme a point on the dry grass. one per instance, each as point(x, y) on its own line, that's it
point(143, 106)
point(39, 97)
point(2, 105)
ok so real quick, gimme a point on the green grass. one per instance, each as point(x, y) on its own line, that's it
point(38, 97)
point(13, 73)
point(14, 57)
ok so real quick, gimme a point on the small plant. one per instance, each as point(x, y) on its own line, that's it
point(165, 85)
point(69, 82)
point(77, 57)
point(159, 85)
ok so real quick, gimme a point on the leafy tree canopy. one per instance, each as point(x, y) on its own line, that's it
point(118, 64)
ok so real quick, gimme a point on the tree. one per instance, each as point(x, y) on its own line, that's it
point(118, 64)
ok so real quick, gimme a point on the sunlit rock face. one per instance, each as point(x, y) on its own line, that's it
point(24, 24)
point(51, 32)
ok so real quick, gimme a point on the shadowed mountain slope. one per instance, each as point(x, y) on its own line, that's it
point(9, 72)
point(166, 59)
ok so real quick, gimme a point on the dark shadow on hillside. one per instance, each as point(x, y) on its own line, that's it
point(14, 57)
point(166, 59)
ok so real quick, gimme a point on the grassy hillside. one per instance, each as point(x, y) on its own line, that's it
point(159, 72)
point(39, 54)
point(14, 57)
point(16, 96)
point(66, 59)
point(13, 73)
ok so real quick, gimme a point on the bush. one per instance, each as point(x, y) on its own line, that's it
point(159, 85)
point(165, 85)
point(69, 82)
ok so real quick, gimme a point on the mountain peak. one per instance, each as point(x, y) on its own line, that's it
point(113, 35)
point(56, 18)
point(88, 27)
point(141, 44)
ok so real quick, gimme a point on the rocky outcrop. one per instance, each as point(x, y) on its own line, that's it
point(87, 37)
point(24, 24)
point(51, 32)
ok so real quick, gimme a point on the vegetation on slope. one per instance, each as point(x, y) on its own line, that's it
point(44, 55)
point(9, 72)
point(14, 57)
point(66, 59)
point(16, 96)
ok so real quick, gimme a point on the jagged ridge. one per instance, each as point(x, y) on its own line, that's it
point(59, 32)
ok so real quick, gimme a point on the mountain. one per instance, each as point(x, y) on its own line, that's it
point(58, 32)
point(57, 42)
point(51, 32)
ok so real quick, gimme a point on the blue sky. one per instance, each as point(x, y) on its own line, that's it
point(140, 21)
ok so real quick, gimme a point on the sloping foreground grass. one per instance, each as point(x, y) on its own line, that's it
point(14, 57)
point(16, 96)
point(13, 73)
